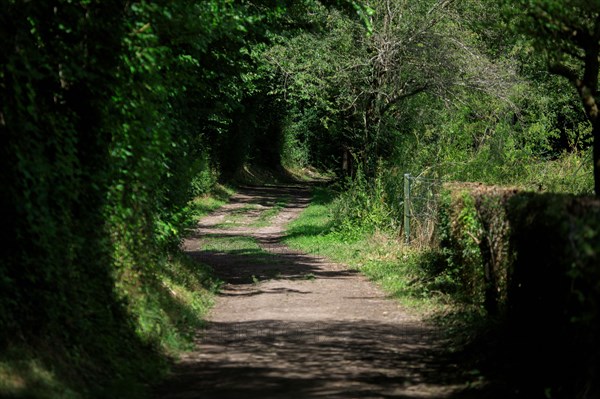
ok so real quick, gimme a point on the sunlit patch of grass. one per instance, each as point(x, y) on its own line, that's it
point(315, 221)
point(569, 173)
point(174, 303)
point(237, 246)
point(238, 217)
point(203, 205)
point(380, 256)
point(265, 217)
point(252, 215)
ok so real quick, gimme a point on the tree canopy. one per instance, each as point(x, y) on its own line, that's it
point(567, 33)
point(115, 114)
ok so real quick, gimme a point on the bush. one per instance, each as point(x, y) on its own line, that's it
point(363, 206)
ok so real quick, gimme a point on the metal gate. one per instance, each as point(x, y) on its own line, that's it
point(421, 205)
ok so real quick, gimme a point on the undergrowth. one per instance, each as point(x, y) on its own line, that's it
point(164, 303)
point(170, 307)
point(480, 278)
point(165, 311)
point(403, 272)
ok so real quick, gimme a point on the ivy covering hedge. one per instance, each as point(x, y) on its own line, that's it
point(532, 260)
point(112, 114)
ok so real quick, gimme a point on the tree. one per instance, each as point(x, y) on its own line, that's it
point(568, 33)
point(359, 82)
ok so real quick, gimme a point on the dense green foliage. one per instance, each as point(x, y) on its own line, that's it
point(404, 272)
point(115, 115)
point(567, 33)
point(446, 90)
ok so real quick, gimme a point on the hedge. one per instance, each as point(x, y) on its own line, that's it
point(532, 260)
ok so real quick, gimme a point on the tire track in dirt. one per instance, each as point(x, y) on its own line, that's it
point(308, 329)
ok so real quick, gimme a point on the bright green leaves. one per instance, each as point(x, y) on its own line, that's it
point(365, 13)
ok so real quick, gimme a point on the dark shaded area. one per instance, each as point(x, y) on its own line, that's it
point(333, 359)
point(537, 276)
point(58, 304)
point(553, 292)
point(271, 195)
point(234, 268)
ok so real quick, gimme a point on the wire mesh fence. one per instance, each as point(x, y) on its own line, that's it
point(421, 204)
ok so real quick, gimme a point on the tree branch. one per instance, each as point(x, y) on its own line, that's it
point(566, 72)
point(402, 96)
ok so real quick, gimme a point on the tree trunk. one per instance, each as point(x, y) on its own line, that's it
point(347, 162)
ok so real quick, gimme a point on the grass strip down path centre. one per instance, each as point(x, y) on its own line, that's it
point(289, 324)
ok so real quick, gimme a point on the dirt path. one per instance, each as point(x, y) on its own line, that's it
point(291, 325)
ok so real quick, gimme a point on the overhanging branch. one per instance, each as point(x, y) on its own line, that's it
point(402, 96)
point(566, 72)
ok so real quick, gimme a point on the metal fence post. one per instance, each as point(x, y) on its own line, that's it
point(407, 207)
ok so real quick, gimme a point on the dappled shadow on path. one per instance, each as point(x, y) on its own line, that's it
point(292, 325)
point(322, 358)
point(243, 268)
point(312, 359)
point(269, 196)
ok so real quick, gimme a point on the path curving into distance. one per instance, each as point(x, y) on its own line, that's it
point(291, 325)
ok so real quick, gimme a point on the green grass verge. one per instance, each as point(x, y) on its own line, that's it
point(165, 310)
point(24, 375)
point(172, 305)
point(409, 275)
point(382, 257)
point(203, 205)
